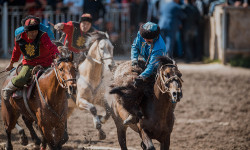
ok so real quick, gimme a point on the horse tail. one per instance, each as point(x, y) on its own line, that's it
point(118, 90)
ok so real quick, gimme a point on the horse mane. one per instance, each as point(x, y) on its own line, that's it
point(165, 60)
point(95, 36)
point(62, 59)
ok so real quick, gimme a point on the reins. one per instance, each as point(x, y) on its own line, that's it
point(162, 81)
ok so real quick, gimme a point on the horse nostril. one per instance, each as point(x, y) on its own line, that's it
point(174, 94)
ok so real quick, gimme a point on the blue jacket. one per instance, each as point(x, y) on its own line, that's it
point(171, 15)
point(140, 47)
point(42, 27)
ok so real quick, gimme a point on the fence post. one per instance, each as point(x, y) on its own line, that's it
point(5, 30)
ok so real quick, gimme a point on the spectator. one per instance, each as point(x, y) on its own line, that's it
point(170, 22)
point(114, 38)
point(35, 7)
point(96, 9)
point(16, 2)
point(190, 29)
point(75, 6)
point(56, 5)
point(138, 14)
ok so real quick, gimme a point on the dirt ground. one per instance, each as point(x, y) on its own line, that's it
point(214, 114)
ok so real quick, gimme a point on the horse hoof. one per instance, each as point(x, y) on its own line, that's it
point(37, 142)
point(102, 119)
point(65, 138)
point(102, 135)
point(8, 147)
point(43, 148)
point(24, 140)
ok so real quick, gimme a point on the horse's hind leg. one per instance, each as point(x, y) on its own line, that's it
point(33, 134)
point(23, 138)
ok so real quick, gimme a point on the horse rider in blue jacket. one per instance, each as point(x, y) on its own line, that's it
point(149, 45)
point(42, 27)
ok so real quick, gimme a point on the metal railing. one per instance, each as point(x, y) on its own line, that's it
point(117, 14)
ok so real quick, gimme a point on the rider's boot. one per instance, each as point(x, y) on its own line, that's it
point(8, 90)
point(131, 119)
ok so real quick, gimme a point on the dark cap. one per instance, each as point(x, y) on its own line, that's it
point(86, 17)
point(149, 30)
point(31, 24)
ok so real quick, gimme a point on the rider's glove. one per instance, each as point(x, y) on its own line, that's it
point(134, 63)
point(138, 81)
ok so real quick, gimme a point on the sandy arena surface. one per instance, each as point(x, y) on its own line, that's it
point(214, 114)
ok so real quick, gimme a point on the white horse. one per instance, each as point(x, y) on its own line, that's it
point(94, 73)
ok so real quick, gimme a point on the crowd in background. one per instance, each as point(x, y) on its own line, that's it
point(181, 21)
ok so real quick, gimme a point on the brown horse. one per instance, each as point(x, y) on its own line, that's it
point(156, 107)
point(48, 105)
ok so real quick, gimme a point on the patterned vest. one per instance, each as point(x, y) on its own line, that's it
point(30, 50)
point(78, 40)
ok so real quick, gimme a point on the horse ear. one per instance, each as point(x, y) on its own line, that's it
point(71, 56)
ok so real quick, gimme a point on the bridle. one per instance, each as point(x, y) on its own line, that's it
point(60, 80)
point(164, 82)
point(101, 61)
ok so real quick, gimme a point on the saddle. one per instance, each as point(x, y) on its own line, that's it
point(28, 88)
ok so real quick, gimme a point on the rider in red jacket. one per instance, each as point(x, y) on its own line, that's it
point(76, 34)
point(36, 48)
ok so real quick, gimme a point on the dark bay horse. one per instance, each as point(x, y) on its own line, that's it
point(157, 107)
point(48, 104)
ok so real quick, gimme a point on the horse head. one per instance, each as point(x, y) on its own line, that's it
point(66, 73)
point(169, 79)
point(102, 51)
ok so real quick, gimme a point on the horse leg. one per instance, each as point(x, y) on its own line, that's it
point(84, 104)
point(103, 119)
point(44, 141)
point(166, 143)
point(65, 135)
point(33, 134)
point(146, 140)
point(9, 117)
point(8, 144)
point(23, 138)
point(59, 133)
point(121, 133)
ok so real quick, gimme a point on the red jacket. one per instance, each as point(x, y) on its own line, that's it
point(43, 55)
point(73, 32)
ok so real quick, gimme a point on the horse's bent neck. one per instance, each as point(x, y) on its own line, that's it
point(91, 70)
